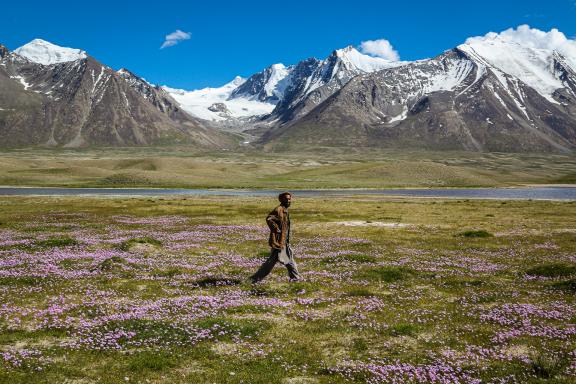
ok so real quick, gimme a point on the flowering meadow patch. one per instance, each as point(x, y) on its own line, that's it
point(134, 290)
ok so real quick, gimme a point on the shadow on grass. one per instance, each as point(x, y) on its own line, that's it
point(569, 285)
point(216, 281)
point(547, 366)
point(475, 234)
point(352, 258)
point(386, 274)
point(552, 270)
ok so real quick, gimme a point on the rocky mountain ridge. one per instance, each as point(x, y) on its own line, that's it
point(54, 96)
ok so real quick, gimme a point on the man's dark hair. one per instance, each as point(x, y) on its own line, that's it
point(281, 196)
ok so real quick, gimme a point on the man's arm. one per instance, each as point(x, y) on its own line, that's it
point(273, 221)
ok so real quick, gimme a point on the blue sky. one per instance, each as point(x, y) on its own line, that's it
point(240, 38)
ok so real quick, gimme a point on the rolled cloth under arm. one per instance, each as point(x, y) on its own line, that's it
point(272, 220)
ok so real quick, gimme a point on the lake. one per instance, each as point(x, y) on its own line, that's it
point(523, 193)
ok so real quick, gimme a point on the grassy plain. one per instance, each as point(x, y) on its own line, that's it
point(152, 290)
point(333, 168)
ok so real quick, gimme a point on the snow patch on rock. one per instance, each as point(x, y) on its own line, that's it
point(200, 102)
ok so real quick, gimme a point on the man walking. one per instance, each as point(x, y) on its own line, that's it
point(279, 223)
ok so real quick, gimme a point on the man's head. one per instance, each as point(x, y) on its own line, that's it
point(285, 199)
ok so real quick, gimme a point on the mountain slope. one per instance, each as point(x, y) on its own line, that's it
point(315, 80)
point(279, 92)
point(510, 97)
point(62, 97)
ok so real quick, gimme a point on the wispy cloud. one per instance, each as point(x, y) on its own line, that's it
point(534, 16)
point(174, 38)
point(380, 48)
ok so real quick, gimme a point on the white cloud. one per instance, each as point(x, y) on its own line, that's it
point(174, 38)
point(533, 38)
point(380, 48)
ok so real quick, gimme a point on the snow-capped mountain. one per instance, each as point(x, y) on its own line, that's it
point(508, 91)
point(50, 95)
point(266, 86)
point(277, 89)
point(43, 52)
point(513, 91)
point(315, 80)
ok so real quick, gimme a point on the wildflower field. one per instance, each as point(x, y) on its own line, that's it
point(154, 290)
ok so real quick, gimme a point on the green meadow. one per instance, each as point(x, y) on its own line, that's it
point(320, 168)
point(154, 290)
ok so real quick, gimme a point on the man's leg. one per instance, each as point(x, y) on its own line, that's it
point(266, 267)
point(291, 266)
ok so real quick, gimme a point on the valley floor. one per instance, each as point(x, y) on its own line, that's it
point(320, 168)
point(152, 290)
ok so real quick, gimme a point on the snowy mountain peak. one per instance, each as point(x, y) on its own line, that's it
point(356, 61)
point(266, 86)
point(43, 52)
point(345, 50)
point(524, 53)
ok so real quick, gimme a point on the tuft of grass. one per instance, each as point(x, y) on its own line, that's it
point(19, 281)
point(552, 270)
point(402, 329)
point(568, 285)
point(359, 292)
point(456, 282)
point(113, 263)
point(359, 344)
point(152, 361)
point(128, 244)
point(386, 274)
point(480, 233)
point(241, 327)
point(169, 272)
point(56, 242)
point(547, 366)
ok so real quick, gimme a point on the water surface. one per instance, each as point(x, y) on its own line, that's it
point(524, 193)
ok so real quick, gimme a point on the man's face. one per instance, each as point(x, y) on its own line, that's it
point(286, 200)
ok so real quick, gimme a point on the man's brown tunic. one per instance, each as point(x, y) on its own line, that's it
point(279, 223)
